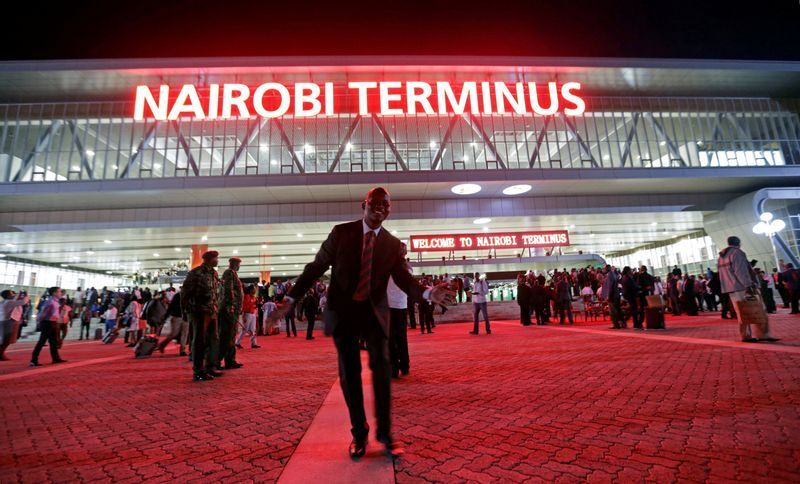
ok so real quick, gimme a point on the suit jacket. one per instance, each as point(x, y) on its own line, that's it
point(342, 251)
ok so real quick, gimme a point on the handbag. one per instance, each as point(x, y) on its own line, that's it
point(752, 312)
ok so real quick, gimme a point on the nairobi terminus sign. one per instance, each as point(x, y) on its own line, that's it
point(389, 98)
point(504, 240)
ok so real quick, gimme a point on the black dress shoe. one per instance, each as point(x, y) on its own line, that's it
point(473, 332)
point(770, 340)
point(202, 377)
point(234, 366)
point(34, 363)
point(750, 340)
point(59, 361)
point(393, 449)
point(214, 373)
point(358, 448)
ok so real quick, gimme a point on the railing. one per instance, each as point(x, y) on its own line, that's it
point(101, 141)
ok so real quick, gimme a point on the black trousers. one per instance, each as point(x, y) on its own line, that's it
point(727, 306)
point(635, 314)
point(425, 316)
point(398, 341)
point(49, 334)
point(84, 326)
point(290, 323)
point(525, 314)
point(311, 318)
point(361, 322)
point(412, 316)
point(228, 324)
point(541, 317)
point(205, 342)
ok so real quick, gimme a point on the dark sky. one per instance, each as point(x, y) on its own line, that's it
point(183, 28)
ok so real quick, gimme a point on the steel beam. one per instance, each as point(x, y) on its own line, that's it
point(78, 144)
point(539, 140)
point(478, 128)
point(343, 144)
point(389, 142)
point(41, 144)
point(582, 144)
point(675, 154)
point(253, 129)
point(629, 139)
point(288, 143)
point(148, 135)
point(185, 145)
point(437, 160)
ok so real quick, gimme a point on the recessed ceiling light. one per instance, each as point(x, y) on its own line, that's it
point(283, 273)
point(300, 235)
point(10, 245)
point(90, 252)
point(156, 165)
point(255, 261)
point(591, 234)
point(235, 251)
point(64, 265)
point(349, 146)
point(156, 254)
point(432, 144)
point(177, 249)
point(517, 189)
point(313, 249)
point(485, 229)
point(263, 148)
point(466, 189)
point(90, 152)
point(394, 232)
point(295, 265)
point(272, 268)
point(482, 220)
point(2, 255)
point(605, 157)
point(283, 257)
point(273, 162)
point(653, 223)
point(204, 238)
point(106, 241)
point(263, 246)
point(108, 272)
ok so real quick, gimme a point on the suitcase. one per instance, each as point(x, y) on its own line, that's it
point(145, 346)
point(654, 318)
point(110, 337)
point(98, 333)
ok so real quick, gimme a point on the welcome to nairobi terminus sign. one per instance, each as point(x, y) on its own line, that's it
point(504, 240)
point(389, 98)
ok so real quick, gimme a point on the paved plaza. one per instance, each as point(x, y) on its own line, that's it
point(556, 403)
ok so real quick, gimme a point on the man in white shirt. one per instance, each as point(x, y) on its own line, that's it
point(480, 289)
point(267, 308)
point(10, 316)
point(398, 334)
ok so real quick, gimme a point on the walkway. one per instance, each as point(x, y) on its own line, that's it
point(570, 403)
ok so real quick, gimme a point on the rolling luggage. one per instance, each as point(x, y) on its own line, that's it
point(145, 346)
point(110, 337)
point(98, 333)
point(654, 318)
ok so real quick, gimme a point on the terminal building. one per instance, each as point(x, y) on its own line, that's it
point(115, 171)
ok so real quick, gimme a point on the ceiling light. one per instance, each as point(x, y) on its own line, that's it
point(75, 168)
point(273, 162)
point(10, 245)
point(156, 254)
point(432, 144)
point(308, 148)
point(272, 268)
point(2, 255)
point(64, 265)
point(572, 226)
point(283, 257)
point(295, 265)
point(591, 234)
point(255, 261)
point(106, 241)
point(177, 249)
point(114, 166)
point(473, 144)
point(90, 252)
point(263, 246)
point(482, 220)
point(263, 148)
point(283, 273)
point(517, 189)
point(204, 238)
point(663, 143)
point(485, 229)
point(108, 272)
point(466, 189)
point(349, 146)
point(605, 157)
point(653, 223)
point(156, 165)
point(235, 251)
point(90, 152)
point(300, 235)
point(394, 232)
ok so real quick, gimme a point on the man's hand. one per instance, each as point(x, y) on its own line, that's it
point(443, 295)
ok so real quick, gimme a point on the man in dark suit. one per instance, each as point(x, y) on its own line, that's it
point(363, 257)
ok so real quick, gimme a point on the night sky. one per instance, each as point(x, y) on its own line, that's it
point(182, 28)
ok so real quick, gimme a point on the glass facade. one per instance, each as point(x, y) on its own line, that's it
point(101, 141)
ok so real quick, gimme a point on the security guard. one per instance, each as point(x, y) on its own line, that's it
point(199, 305)
point(230, 307)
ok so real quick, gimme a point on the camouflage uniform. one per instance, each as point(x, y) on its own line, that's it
point(199, 304)
point(230, 307)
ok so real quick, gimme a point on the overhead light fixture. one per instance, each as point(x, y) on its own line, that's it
point(308, 148)
point(394, 232)
point(295, 265)
point(89, 153)
point(466, 189)
point(2, 255)
point(108, 272)
point(156, 254)
point(204, 238)
point(114, 167)
point(482, 221)
point(273, 162)
point(591, 234)
point(235, 251)
point(606, 157)
point(572, 226)
point(64, 265)
point(90, 252)
point(263, 148)
point(653, 223)
point(263, 246)
point(156, 165)
point(10, 245)
point(485, 229)
point(283, 273)
point(283, 257)
point(517, 189)
point(106, 241)
point(300, 235)
point(349, 146)
point(432, 144)
point(272, 268)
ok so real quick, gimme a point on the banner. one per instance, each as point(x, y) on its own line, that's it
point(482, 241)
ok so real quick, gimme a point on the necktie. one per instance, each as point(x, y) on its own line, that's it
point(362, 291)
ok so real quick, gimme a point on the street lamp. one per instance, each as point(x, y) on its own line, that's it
point(770, 226)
